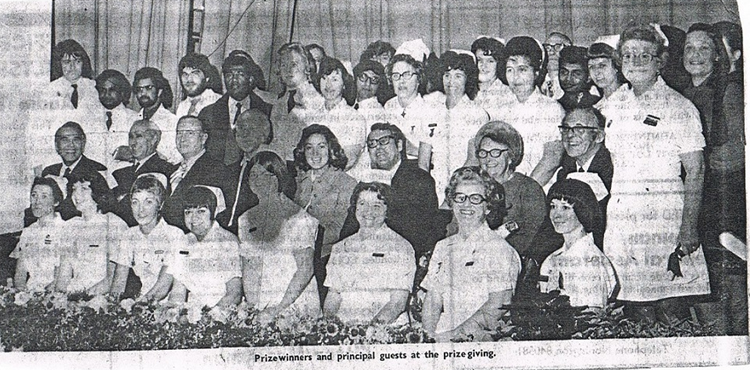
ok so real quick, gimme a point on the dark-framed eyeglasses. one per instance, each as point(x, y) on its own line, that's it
point(381, 141)
point(577, 130)
point(395, 76)
point(644, 58)
point(475, 199)
point(553, 47)
point(372, 80)
point(138, 89)
point(494, 153)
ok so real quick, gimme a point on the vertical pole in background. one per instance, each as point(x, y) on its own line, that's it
point(294, 18)
point(191, 23)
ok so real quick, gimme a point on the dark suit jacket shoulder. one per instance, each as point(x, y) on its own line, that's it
point(601, 164)
point(216, 116)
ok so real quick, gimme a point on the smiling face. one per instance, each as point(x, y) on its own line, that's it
point(316, 151)
point(42, 201)
point(573, 77)
point(193, 80)
point(470, 215)
point(586, 141)
point(198, 221)
point(603, 72)
point(498, 168)
point(699, 54)
point(190, 137)
point(454, 82)
point(637, 70)
point(142, 142)
point(563, 217)
point(405, 88)
point(487, 66)
point(145, 205)
point(386, 156)
point(332, 86)
point(370, 210)
point(521, 76)
point(69, 144)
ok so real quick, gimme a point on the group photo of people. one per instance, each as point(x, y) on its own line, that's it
point(412, 184)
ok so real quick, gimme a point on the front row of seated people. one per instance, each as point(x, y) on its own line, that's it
point(370, 274)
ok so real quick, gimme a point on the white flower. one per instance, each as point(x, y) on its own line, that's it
point(127, 304)
point(98, 303)
point(22, 298)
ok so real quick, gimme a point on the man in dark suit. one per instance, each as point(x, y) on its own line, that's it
point(413, 209)
point(70, 143)
point(241, 76)
point(582, 133)
point(143, 139)
point(253, 129)
point(196, 168)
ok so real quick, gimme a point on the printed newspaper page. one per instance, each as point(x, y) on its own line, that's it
point(174, 273)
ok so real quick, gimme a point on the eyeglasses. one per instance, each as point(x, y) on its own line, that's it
point(577, 130)
point(494, 153)
point(406, 75)
point(475, 199)
point(139, 89)
point(643, 58)
point(553, 47)
point(372, 80)
point(382, 141)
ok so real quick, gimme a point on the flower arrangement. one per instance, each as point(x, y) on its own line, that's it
point(80, 322)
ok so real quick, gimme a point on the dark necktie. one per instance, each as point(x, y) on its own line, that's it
point(109, 120)
point(237, 114)
point(356, 106)
point(74, 96)
point(290, 101)
point(67, 172)
point(580, 169)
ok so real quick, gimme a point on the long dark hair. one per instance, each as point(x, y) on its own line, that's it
point(336, 156)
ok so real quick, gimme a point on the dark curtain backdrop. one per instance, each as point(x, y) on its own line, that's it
point(128, 35)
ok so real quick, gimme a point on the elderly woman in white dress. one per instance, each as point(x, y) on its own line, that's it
point(149, 247)
point(85, 264)
point(38, 250)
point(472, 274)
point(653, 133)
point(206, 270)
point(579, 269)
point(370, 273)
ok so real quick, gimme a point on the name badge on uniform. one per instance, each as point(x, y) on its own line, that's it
point(378, 255)
point(48, 240)
point(93, 245)
point(252, 229)
point(651, 120)
point(185, 252)
point(159, 251)
point(470, 263)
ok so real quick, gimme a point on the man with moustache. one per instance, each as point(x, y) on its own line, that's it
point(114, 94)
point(155, 98)
point(241, 76)
point(197, 80)
point(574, 79)
point(143, 139)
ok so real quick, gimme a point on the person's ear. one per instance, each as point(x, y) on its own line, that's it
point(400, 145)
point(599, 136)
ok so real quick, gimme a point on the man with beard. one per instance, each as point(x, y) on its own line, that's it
point(155, 97)
point(143, 138)
point(114, 94)
point(199, 89)
point(574, 79)
point(241, 76)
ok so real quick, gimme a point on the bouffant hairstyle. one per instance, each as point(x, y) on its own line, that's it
point(579, 195)
point(72, 48)
point(121, 83)
point(336, 156)
point(296, 47)
point(529, 48)
point(646, 33)
point(57, 194)
point(494, 193)
point(99, 191)
point(490, 47)
point(161, 83)
point(502, 133)
point(450, 60)
point(150, 183)
point(199, 196)
point(327, 66)
point(377, 48)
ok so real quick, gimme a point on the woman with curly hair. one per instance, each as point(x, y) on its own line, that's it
point(471, 274)
point(323, 189)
